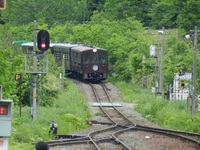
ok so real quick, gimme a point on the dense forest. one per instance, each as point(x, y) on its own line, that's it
point(125, 28)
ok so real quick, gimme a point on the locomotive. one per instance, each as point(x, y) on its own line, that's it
point(80, 61)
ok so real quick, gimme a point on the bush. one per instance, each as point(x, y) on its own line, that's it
point(69, 111)
point(168, 114)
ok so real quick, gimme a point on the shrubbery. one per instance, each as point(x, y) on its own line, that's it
point(69, 111)
point(168, 114)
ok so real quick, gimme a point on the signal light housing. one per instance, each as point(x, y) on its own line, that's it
point(183, 85)
point(2, 4)
point(43, 40)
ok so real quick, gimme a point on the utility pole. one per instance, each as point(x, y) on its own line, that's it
point(194, 70)
point(161, 60)
point(34, 84)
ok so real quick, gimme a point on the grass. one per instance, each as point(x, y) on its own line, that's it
point(69, 111)
point(169, 114)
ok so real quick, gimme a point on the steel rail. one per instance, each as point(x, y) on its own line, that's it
point(124, 128)
point(98, 100)
point(91, 135)
point(110, 100)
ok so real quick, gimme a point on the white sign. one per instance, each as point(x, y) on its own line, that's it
point(3, 143)
point(198, 97)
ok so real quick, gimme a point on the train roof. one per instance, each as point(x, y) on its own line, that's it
point(78, 47)
point(30, 44)
point(85, 48)
point(64, 45)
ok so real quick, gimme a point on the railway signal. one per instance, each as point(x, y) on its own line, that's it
point(5, 122)
point(2, 4)
point(43, 40)
point(183, 85)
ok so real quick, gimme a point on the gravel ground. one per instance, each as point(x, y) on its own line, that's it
point(137, 140)
point(127, 108)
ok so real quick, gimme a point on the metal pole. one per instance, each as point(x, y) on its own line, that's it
point(194, 71)
point(143, 62)
point(35, 74)
point(63, 65)
point(20, 96)
point(161, 61)
point(156, 76)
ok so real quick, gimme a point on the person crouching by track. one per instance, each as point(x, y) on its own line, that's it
point(41, 146)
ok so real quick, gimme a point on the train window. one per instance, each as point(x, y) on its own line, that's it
point(95, 57)
point(30, 48)
point(102, 58)
point(86, 58)
point(57, 55)
point(66, 56)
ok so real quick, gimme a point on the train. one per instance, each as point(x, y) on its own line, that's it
point(80, 61)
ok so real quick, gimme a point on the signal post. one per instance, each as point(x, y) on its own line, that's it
point(36, 63)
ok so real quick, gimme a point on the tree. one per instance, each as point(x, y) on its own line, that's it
point(49, 11)
point(164, 13)
point(189, 15)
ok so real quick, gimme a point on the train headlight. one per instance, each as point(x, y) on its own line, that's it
point(95, 67)
point(94, 50)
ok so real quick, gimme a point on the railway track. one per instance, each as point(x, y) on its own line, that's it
point(122, 134)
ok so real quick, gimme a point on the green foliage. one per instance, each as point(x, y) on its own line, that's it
point(188, 16)
point(152, 13)
point(49, 11)
point(178, 55)
point(131, 93)
point(169, 114)
point(118, 31)
point(168, 16)
point(69, 111)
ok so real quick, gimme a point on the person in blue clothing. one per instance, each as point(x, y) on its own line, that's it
point(41, 146)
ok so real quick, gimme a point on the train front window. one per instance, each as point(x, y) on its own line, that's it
point(86, 58)
point(95, 57)
point(102, 58)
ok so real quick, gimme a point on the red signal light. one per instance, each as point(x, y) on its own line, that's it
point(3, 109)
point(43, 40)
point(43, 45)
